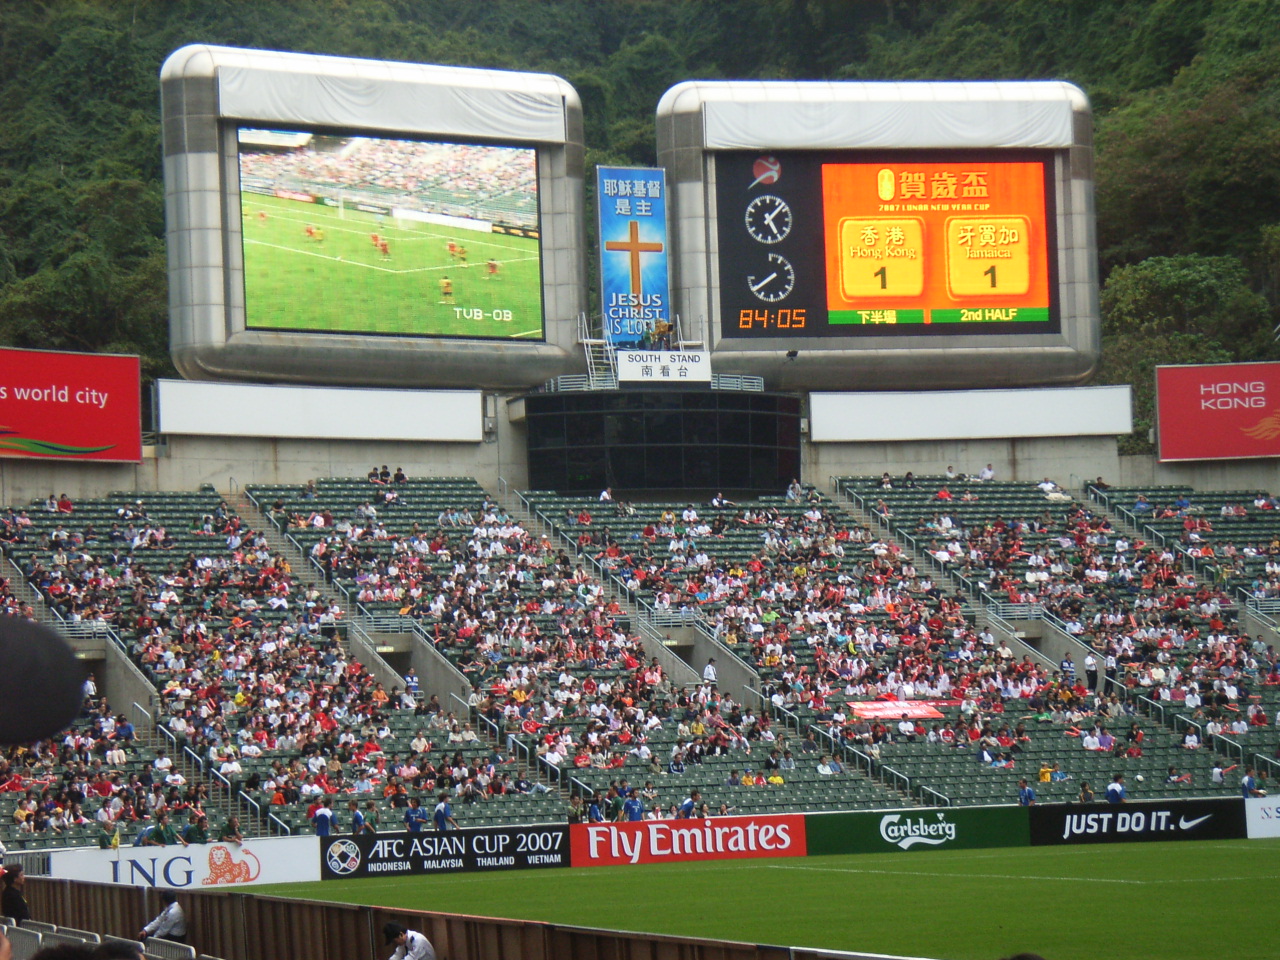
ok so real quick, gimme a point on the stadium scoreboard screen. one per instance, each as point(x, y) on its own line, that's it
point(341, 221)
point(838, 249)
point(379, 235)
point(886, 235)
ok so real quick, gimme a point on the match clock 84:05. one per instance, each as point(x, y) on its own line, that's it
point(775, 282)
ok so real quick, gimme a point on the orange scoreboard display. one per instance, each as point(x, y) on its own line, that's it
point(900, 244)
point(961, 242)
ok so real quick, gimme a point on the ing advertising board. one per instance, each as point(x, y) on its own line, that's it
point(70, 406)
point(1218, 411)
point(199, 866)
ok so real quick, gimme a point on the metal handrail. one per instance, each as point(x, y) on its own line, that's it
point(283, 827)
point(1187, 721)
point(898, 777)
point(1154, 706)
point(1273, 766)
point(945, 800)
point(553, 773)
point(465, 706)
point(1228, 747)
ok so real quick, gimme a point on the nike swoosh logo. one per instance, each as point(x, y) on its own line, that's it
point(1185, 824)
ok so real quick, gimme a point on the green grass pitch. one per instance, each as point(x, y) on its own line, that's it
point(1144, 901)
point(342, 284)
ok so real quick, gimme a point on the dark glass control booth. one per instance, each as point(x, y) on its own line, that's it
point(661, 439)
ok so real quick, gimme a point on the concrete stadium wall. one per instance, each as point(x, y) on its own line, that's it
point(1204, 475)
point(1070, 461)
point(184, 463)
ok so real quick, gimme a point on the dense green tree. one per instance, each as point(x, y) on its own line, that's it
point(1184, 93)
point(1170, 310)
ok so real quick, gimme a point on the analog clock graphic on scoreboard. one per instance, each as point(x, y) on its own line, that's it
point(768, 219)
point(775, 281)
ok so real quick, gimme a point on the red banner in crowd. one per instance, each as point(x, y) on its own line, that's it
point(897, 709)
point(70, 406)
point(676, 841)
point(1218, 411)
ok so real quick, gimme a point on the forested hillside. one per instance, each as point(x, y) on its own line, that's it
point(1186, 96)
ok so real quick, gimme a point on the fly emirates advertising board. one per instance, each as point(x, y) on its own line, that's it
point(673, 841)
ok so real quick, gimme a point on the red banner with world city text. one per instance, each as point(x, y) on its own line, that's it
point(70, 406)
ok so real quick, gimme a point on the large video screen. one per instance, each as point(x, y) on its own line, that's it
point(375, 235)
point(897, 244)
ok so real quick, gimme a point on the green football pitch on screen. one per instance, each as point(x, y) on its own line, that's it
point(316, 268)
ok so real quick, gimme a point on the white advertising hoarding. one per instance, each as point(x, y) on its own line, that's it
point(970, 414)
point(1262, 817)
point(197, 408)
point(198, 866)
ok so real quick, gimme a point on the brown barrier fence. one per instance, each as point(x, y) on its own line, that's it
point(242, 926)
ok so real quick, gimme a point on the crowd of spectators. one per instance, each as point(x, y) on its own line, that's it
point(249, 665)
point(95, 780)
point(412, 171)
point(1154, 624)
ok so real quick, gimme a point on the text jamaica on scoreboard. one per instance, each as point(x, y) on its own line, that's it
point(914, 235)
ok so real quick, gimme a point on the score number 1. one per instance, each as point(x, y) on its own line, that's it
point(883, 274)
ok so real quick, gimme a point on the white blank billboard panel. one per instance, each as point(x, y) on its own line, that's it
point(970, 414)
point(192, 408)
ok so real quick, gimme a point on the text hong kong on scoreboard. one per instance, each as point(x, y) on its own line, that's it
point(1218, 411)
point(844, 244)
point(634, 285)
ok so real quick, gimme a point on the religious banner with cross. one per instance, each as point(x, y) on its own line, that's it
point(634, 288)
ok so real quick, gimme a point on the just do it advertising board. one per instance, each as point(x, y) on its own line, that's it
point(70, 406)
point(1218, 411)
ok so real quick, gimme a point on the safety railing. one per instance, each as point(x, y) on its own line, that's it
point(549, 771)
point(895, 778)
point(1269, 765)
point(933, 797)
point(1229, 748)
point(1154, 708)
point(1265, 609)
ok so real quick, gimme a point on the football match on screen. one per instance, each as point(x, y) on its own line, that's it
point(347, 234)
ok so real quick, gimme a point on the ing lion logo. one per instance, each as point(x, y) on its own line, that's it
point(1268, 428)
point(224, 869)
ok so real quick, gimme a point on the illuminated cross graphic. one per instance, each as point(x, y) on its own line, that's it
point(633, 246)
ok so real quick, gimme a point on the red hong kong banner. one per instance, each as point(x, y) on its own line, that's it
point(70, 406)
point(1218, 411)
point(675, 841)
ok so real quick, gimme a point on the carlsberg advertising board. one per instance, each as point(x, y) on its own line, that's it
point(952, 828)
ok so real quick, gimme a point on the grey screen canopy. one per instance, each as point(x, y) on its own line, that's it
point(209, 92)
